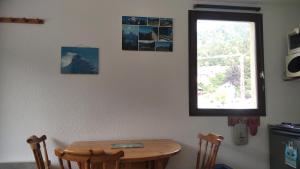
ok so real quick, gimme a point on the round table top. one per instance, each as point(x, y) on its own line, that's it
point(152, 150)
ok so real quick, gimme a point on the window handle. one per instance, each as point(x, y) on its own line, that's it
point(262, 75)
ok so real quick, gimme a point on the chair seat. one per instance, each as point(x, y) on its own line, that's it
point(222, 166)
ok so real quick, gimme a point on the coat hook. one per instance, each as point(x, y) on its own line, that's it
point(40, 21)
point(21, 20)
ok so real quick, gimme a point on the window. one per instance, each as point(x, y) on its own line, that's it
point(226, 64)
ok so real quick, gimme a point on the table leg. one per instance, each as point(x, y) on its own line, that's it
point(80, 165)
point(161, 163)
point(127, 166)
point(150, 164)
point(138, 165)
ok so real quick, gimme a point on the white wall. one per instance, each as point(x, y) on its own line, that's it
point(136, 94)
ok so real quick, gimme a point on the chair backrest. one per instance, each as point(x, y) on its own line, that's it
point(209, 146)
point(35, 142)
point(89, 159)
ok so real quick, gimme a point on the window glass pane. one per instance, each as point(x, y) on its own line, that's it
point(226, 65)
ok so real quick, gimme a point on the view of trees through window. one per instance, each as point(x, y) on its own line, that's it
point(226, 71)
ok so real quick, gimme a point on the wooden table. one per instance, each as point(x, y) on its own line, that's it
point(154, 155)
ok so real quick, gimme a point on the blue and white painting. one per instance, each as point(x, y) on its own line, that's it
point(79, 60)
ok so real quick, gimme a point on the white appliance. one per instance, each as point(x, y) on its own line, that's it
point(292, 67)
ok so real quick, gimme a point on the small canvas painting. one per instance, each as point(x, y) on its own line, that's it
point(166, 22)
point(153, 21)
point(130, 37)
point(79, 60)
point(146, 45)
point(164, 46)
point(165, 34)
point(147, 33)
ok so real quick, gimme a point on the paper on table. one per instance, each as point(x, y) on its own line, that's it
point(128, 145)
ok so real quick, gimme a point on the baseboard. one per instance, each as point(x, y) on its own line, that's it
point(17, 165)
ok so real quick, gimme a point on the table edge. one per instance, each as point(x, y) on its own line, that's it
point(144, 158)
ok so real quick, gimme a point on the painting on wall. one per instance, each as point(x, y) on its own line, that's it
point(147, 33)
point(79, 60)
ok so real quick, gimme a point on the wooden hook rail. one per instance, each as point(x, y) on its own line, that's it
point(21, 20)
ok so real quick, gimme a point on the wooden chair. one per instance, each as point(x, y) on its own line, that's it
point(89, 159)
point(209, 146)
point(34, 142)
